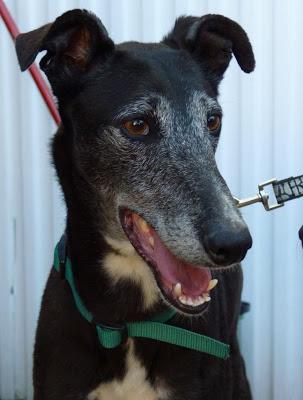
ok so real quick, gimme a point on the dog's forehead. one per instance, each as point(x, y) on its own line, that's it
point(139, 77)
point(168, 68)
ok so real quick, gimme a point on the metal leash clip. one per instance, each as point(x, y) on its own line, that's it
point(261, 197)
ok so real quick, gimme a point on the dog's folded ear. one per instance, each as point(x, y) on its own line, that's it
point(211, 40)
point(72, 42)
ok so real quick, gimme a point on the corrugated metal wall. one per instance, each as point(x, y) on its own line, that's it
point(262, 138)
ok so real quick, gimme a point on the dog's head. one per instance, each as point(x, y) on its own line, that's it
point(142, 123)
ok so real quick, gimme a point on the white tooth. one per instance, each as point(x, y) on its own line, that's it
point(206, 297)
point(183, 299)
point(190, 301)
point(212, 284)
point(196, 302)
point(177, 289)
point(151, 241)
point(193, 302)
point(200, 300)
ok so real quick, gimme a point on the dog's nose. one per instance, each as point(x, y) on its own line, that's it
point(227, 246)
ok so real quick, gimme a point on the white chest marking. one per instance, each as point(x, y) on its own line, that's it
point(134, 385)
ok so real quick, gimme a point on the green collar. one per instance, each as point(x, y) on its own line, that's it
point(113, 335)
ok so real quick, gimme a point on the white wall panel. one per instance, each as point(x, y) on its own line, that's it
point(261, 138)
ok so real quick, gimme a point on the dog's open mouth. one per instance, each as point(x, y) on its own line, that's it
point(183, 285)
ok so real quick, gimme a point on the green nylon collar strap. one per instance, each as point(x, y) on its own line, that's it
point(114, 335)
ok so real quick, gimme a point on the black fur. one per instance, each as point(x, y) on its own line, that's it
point(92, 79)
point(211, 40)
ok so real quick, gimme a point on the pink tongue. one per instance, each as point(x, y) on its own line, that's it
point(194, 281)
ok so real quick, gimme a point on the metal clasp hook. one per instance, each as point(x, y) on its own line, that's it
point(261, 197)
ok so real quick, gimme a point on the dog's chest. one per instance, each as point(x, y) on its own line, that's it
point(133, 386)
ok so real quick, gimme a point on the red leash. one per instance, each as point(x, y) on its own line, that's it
point(34, 71)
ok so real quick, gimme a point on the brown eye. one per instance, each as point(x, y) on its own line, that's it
point(136, 127)
point(213, 123)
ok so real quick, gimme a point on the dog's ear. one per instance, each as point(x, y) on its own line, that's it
point(72, 43)
point(211, 40)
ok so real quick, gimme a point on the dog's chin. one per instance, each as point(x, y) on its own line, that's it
point(184, 286)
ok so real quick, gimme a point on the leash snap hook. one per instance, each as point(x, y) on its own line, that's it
point(249, 201)
point(261, 197)
point(265, 196)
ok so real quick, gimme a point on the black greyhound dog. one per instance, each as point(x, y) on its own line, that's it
point(151, 224)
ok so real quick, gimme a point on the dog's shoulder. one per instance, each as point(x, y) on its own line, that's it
point(63, 339)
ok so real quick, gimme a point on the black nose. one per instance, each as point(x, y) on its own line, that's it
point(227, 246)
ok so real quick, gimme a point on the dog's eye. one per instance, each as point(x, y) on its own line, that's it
point(214, 123)
point(136, 127)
